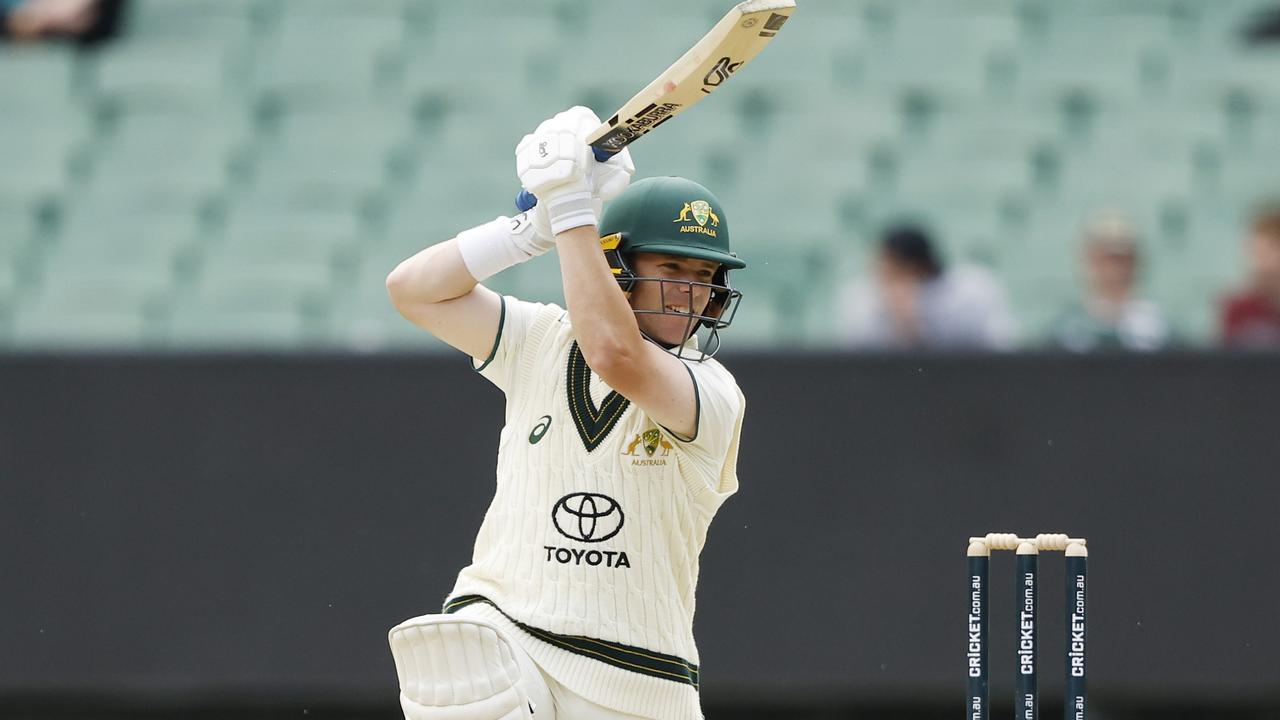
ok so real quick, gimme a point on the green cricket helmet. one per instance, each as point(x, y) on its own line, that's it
point(674, 216)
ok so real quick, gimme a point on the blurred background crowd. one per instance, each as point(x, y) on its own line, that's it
point(989, 174)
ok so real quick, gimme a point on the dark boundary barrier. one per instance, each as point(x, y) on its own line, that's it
point(196, 530)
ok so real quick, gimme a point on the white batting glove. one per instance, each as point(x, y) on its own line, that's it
point(612, 176)
point(555, 164)
point(541, 223)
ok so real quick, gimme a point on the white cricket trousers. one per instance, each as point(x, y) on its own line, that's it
point(553, 700)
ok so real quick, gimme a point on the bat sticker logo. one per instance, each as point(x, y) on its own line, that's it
point(720, 72)
point(773, 25)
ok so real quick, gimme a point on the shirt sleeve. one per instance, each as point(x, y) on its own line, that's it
point(713, 450)
point(520, 327)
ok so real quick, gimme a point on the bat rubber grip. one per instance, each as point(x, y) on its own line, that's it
point(526, 201)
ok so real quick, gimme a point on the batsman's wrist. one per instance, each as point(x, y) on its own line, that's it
point(569, 210)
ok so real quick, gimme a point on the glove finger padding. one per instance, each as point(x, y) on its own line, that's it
point(579, 120)
point(610, 178)
point(607, 180)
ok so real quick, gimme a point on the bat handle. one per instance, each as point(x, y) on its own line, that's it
point(526, 200)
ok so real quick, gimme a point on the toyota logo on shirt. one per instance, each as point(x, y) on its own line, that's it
point(587, 517)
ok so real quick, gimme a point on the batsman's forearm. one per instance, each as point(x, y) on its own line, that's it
point(434, 275)
point(603, 322)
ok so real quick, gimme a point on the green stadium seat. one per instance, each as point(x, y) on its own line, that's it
point(361, 316)
point(128, 226)
point(37, 327)
point(948, 56)
point(332, 156)
point(9, 281)
point(270, 232)
point(158, 16)
point(167, 70)
point(17, 224)
point(447, 197)
point(1192, 304)
point(230, 21)
point(369, 125)
point(1037, 301)
point(164, 120)
point(193, 327)
point(137, 159)
point(76, 285)
point(1134, 181)
point(323, 174)
point(236, 280)
point(653, 39)
point(477, 76)
point(758, 323)
point(1048, 248)
point(368, 288)
point(35, 76)
point(151, 248)
point(383, 10)
point(379, 330)
point(35, 163)
point(407, 233)
point(329, 59)
point(234, 285)
point(1158, 128)
point(688, 17)
point(237, 305)
point(692, 157)
point(538, 280)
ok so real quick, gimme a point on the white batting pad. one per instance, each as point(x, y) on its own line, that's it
point(455, 668)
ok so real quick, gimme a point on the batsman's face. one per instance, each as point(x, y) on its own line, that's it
point(678, 287)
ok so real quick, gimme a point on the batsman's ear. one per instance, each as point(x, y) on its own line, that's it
point(619, 265)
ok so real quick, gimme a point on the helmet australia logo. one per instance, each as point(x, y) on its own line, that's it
point(698, 211)
point(651, 440)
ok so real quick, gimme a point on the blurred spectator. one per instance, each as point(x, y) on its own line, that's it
point(1251, 317)
point(1264, 27)
point(86, 21)
point(914, 302)
point(1110, 316)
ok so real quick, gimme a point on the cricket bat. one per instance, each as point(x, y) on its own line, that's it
point(739, 36)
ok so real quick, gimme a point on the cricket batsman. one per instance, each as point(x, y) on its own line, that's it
point(620, 444)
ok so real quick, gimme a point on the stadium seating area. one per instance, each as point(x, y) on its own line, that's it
point(244, 173)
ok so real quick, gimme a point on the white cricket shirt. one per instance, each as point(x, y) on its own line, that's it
point(588, 554)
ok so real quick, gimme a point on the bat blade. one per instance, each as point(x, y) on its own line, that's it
point(739, 36)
